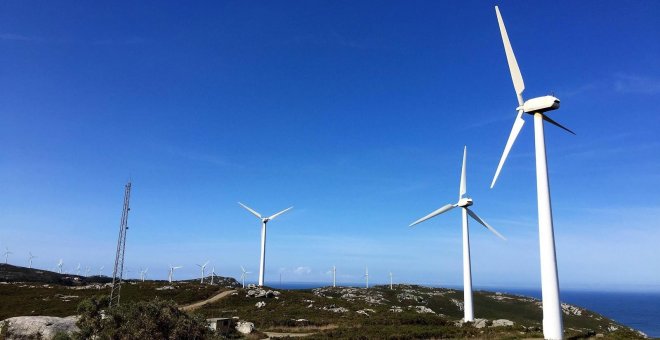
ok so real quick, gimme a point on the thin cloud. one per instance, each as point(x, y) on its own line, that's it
point(625, 83)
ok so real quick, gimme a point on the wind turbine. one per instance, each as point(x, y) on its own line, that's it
point(78, 270)
point(391, 281)
point(101, 270)
point(366, 276)
point(59, 265)
point(243, 275)
point(87, 269)
point(552, 313)
point(334, 276)
point(212, 274)
point(143, 274)
point(264, 221)
point(30, 259)
point(203, 266)
point(7, 252)
point(171, 274)
point(464, 202)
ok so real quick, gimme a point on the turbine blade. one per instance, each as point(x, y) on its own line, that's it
point(280, 213)
point(547, 119)
point(483, 223)
point(516, 76)
point(243, 269)
point(515, 130)
point(205, 263)
point(463, 188)
point(435, 213)
point(250, 210)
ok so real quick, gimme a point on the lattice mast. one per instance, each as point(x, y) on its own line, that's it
point(118, 272)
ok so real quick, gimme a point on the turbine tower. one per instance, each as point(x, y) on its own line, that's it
point(101, 270)
point(118, 272)
point(59, 266)
point(366, 276)
point(264, 221)
point(7, 252)
point(78, 270)
point(391, 281)
point(203, 267)
point(212, 274)
point(334, 276)
point(553, 327)
point(30, 259)
point(464, 202)
point(170, 277)
point(243, 275)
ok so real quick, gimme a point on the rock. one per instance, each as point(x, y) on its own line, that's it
point(244, 327)
point(260, 304)
point(39, 327)
point(165, 288)
point(479, 323)
point(424, 310)
point(502, 323)
point(396, 309)
point(458, 304)
point(363, 313)
point(570, 310)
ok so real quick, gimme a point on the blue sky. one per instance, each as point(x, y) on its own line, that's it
point(355, 113)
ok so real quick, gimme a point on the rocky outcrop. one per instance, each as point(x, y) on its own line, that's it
point(502, 323)
point(262, 293)
point(244, 327)
point(260, 304)
point(38, 327)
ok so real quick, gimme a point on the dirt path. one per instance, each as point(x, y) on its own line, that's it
point(284, 335)
point(213, 298)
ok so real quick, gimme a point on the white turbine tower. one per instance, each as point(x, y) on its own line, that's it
point(171, 274)
point(464, 202)
point(552, 313)
point(334, 276)
point(366, 276)
point(143, 274)
point(212, 274)
point(59, 265)
point(7, 252)
point(264, 221)
point(203, 267)
point(391, 281)
point(30, 259)
point(78, 270)
point(243, 275)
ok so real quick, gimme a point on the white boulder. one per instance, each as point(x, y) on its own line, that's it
point(41, 327)
point(244, 327)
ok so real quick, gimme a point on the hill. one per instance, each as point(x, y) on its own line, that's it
point(11, 273)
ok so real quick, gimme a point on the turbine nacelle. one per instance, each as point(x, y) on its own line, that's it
point(464, 202)
point(540, 104)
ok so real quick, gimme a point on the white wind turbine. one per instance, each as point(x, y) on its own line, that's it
point(552, 313)
point(30, 259)
point(366, 276)
point(59, 265)
point(143, 274)
point(203, 267)
point(334, 276)
point(244, 275)
point(101, 270)
point(7, 253)
point(171, 274)
point(87, 270)
point(264, 221)
point(464, 202)
point(391, 281)
point(212, 274)
point(78, 270)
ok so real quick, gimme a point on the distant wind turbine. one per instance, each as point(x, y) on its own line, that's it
point(87, 270)
point(30, 259)
point(143, 274)
point(203, 267)
point(78, 270)
point(264, 221)
point(391, 281)
point(243, 275)
point(464, 202)
point(59, 265)
point(212, 274)
point(366, 276)
point(334, 276)
point(101, 270)
point(7, 252)
point(172, 269)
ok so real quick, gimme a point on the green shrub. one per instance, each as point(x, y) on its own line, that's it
point(156, 319)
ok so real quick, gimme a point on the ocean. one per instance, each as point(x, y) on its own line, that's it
point(639, 310)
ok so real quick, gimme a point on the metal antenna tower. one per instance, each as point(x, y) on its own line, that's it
point(118, 273)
